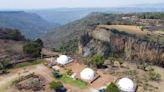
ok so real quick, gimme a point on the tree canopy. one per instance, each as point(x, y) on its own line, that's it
point(112, 88)
point(33, 48)
point(11, 34)
point(55, 85)
point(98, 60)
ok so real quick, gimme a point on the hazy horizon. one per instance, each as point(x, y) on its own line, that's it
point(51, 4)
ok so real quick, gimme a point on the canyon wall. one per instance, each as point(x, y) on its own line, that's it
point(121, 44)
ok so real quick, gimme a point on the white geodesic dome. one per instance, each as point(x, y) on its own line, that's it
point(126, 85)
point(87, 74)
point(63, 59)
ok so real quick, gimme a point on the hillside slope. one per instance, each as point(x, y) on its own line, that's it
point(77, 28)
point(11, 43)
point(110, 40)
point(122, 36)
point(31, 25)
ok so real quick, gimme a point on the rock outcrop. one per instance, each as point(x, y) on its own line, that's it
point(111, 41)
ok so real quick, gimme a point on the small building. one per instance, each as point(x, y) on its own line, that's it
point(87, 74)
point(63, 59)
point(126, 85)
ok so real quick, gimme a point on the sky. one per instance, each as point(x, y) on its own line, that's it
point(45, 4)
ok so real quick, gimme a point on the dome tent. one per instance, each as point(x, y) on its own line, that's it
point(87, 74)
point(126, 85)
point(63, 59)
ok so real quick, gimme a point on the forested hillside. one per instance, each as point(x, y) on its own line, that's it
point(31, 25)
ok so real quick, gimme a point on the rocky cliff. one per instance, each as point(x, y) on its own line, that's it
point(121, 44)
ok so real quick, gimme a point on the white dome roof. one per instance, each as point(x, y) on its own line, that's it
point(63, 59)
point(126, 84)
point(87, 74)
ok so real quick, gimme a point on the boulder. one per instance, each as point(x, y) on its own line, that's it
point(107, 62)
point(124, 65)
point(116, 64)
point(140, 89)
point(148, 68)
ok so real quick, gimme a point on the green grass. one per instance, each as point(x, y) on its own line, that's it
point(28, 63)
point(78, 83)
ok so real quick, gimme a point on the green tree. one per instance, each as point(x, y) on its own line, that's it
point(56, 85)
point(112, 88)
point(12, 34)
point(39, 41)
point(154, 76)
point(4, 64)
point(68, 47)
point(98, 60)
point(32, 49)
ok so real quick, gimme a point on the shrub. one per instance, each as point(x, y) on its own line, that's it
point(112, 88)
point(56, 74)
point(98, 60)
point(33, 48)
point(69, 47)
point(69, 72)
point(4, 65)
point(154, 76)
point(56, 85)
point(35, 83)
point(39, 41)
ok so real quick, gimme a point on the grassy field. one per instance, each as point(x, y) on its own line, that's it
point(136, 30)
point(78, 83)
point(127, 28)
point(28, 63)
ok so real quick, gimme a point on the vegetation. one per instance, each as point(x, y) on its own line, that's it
point(39, 41)
point(11, 34)
point(152, 15)
point(98, 60)
point(24, 64)
point(4, 65)
point(78, 83)
point(35, 84)
point(154, 76)
point(56, 85)
point(30, 24)
point(69, 47)
point(112, 88)
point(69, 71)
point(33, 48)
point(56, 74)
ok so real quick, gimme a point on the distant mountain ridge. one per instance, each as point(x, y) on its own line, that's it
point(157, 5)
point(30, 24)
point(66, 15)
